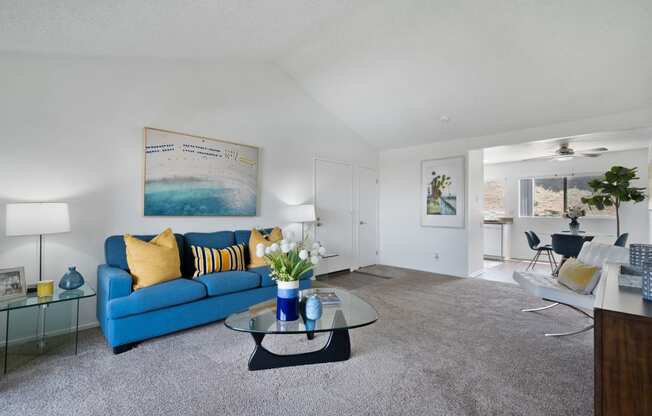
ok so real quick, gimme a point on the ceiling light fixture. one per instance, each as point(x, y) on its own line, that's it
point(444, 119)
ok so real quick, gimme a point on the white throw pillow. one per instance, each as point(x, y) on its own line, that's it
point(597, 254)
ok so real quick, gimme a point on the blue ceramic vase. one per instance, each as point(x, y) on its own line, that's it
point(287, 301)
point(71, 280)
point(313, 308)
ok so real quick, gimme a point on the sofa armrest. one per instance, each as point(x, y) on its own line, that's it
point(113, 282)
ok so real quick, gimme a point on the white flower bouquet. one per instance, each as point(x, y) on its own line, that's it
point(575, 212)
point(289, 261)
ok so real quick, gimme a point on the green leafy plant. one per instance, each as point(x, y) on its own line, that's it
point(289, 261)
point(613, 189)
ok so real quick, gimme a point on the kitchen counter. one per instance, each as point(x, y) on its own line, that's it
point(505, 220)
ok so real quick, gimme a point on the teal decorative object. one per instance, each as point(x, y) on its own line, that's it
point(313, 308)
point(71, 280)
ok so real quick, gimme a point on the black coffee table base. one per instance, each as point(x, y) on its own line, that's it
point(338, 348)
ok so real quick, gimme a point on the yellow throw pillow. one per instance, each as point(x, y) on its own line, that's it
point(578, 276)
point(155, 261)
point(213, 260)
point(257, 238)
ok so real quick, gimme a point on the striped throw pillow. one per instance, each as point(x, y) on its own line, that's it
point(212, 260)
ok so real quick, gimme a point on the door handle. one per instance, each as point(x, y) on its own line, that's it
point(362, 223)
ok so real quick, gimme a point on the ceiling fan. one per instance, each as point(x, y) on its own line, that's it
point(565, 153)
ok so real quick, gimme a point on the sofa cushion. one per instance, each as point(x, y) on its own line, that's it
point(219, 239)
point(159, 296)
point(266, 240)
point(115, 251)
point(229, 282)
point(242, 237)
point(215, 260)
point(155, 261)
point(266, 280)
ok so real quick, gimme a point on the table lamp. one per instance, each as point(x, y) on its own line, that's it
point(37, 218)
point(303, 214)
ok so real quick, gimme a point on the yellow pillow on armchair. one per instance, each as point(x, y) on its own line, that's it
point(580, 277)
point(257, 238)
point(154, 261)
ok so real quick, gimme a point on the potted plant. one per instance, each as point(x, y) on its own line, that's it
point(613, 189)
point(288, 261)
point(574, 213)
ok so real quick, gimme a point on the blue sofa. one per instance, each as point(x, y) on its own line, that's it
point(127, 317)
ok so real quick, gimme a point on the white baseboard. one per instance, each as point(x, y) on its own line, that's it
point(476, 273)
point(33, 338)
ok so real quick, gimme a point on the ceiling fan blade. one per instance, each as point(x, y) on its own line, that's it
point(539, 158)
point(596, 149)
point(590, 154)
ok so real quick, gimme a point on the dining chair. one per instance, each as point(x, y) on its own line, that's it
point(534, 242)
point(567, 246)
point(621, 241)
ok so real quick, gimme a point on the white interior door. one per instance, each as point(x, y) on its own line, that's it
point(334, 204)
point(368, 217)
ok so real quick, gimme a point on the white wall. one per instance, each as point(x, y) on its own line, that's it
point(71, 130)
point(475, 233)
point(634, 216)
point(403, 241)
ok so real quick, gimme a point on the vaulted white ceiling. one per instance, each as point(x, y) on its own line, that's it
point(392, 70)
point(216, 30)
point(389, 69)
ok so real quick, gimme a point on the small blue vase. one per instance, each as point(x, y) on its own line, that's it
point(71, 280)
point(313, 308)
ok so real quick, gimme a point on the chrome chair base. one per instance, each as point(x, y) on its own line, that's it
point(562, 334)
point(542, 308)
point(565, 334)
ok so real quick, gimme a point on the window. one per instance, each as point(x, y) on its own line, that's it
point(494, 199)
point(578, 187)
point(551, 196)
point(548, 197)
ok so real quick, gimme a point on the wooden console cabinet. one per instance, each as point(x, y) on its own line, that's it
point(623, 349)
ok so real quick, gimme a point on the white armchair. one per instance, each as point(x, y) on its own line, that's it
point(548, 288)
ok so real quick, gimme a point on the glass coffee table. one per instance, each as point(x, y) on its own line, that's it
point(337, 319)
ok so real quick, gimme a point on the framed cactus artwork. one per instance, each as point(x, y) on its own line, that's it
point(443, 192)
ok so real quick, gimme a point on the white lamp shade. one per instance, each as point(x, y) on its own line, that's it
point(302, 213)
point(34, 218)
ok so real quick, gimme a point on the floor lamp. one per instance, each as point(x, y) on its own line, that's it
point(302, 214)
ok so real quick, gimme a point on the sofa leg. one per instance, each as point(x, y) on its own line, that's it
point(123, 348)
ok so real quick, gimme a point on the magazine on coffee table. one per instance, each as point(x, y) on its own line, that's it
point(328, 298)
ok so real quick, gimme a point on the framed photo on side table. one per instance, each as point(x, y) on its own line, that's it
point(12, 284)
point(443, 192)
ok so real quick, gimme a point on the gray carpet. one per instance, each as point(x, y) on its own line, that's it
point(442, 346)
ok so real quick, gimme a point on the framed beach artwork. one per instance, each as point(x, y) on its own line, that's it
point(443, 192)
point(188, 175)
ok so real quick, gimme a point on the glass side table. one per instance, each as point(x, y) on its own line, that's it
point(42, 304)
